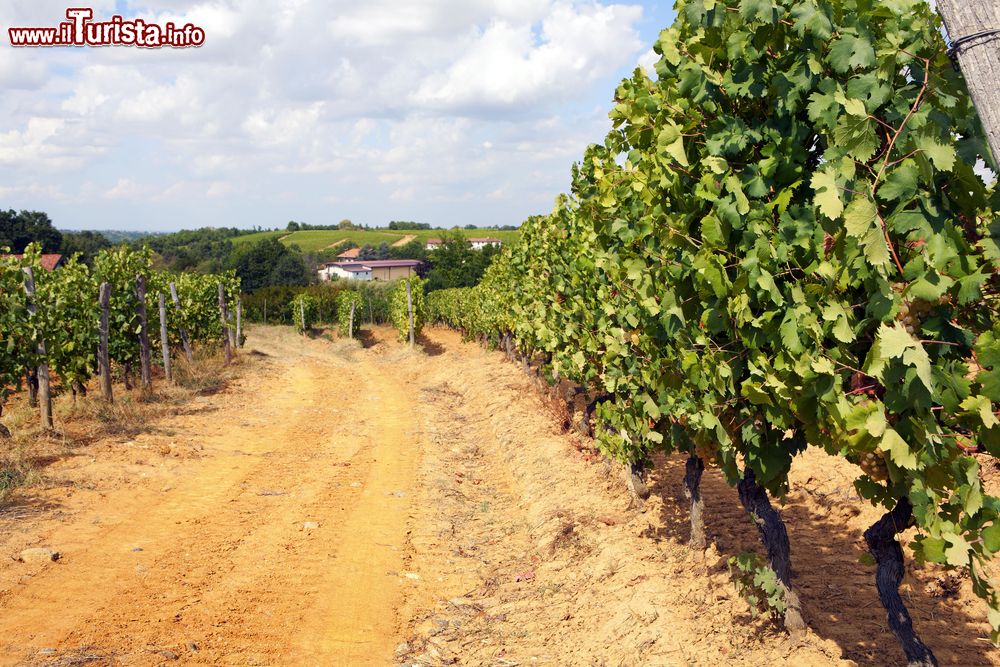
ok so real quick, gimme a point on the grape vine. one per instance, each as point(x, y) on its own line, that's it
point(782, 243)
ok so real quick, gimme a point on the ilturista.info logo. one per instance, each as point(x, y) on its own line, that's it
point(82, 30)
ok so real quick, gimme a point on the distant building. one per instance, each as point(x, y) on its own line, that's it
point(349, 255)
point(376, 269)
point(478, 243)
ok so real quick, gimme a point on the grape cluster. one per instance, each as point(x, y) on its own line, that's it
point(874, 466)
point(709, 453)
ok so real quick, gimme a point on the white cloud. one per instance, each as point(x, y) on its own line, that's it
point(327, 103)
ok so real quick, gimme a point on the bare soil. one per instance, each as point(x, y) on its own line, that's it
point(360, 503)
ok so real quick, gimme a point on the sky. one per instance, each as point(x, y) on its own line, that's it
point(450, 112)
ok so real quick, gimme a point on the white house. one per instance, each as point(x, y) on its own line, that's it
point(350, 271)
point(476, 242)
point(480, 243)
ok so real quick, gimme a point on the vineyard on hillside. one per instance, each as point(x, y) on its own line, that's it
point(782, 243)
point(76, 321)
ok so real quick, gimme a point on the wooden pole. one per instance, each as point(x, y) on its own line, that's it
point(974, 30)
point(145, 356)
point(350, 327)
point(103, 358)
point(44, 389)
point(224, 317)
point(265, 310)
point(409, 307)
point(239, 322)
point(302, 316)
point(184, 335)
point(164, 342)
point(371, 313)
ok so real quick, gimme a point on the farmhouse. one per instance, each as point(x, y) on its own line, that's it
point(349, 255)
point(376, 269)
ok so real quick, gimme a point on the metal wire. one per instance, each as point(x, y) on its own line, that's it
point(957, 45)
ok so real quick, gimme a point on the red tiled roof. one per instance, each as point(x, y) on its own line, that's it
point(49, 261)
point(350, 254)
point(433, 241)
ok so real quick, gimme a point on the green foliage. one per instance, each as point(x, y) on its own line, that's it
point(345, 301)
point(268, 262)
point(399, 308)
point(67, 312)
point(18, 229)
point(757, 584)
point(303, 309)
point(455, 264)
point(782, 243)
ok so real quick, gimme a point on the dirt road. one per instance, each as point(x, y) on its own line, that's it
point(340, 505)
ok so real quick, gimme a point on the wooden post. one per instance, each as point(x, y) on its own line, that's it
point(44, 390)
point(224, 318)
point(302, 316)
point(371, 313)
point(409, 307)
point(145, 356)
point(184, 335)
point(164, 341)
point(350, 326)
point(265, 310)
point(974, 31)
point(239, 322)
point(103, 359)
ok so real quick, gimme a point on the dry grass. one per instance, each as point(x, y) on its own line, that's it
point(83, 421)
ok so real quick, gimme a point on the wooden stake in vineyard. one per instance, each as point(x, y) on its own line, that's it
point(164, 341)
point(185, 341)
point(974, 30)
point(44, 390)
point(103, 358)
point(145, 356)
point(350, 326)
point(302, 316)
point(224, 317)
point(409, 308)
point(239, 322)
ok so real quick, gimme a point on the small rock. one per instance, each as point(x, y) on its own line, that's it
point(39, 555)
point(137, 549)
point(310, 525)
point(169, 655)
point(191, 646)
point(411, 575)
point(402, 650)
point(440, 622)
point(355, 485)
point(47, 651)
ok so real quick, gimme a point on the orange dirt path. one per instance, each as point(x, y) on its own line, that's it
point(341, 504)
point(213, 553)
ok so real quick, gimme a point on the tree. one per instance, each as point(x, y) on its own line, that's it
point(18, 229)
point(383, 251)
point(455, 264)
point(346, 224)
point(293, 226)
point(268, 263)
point(367, 251)
point(415, 249)
point(973, 28)
point(86, 243)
